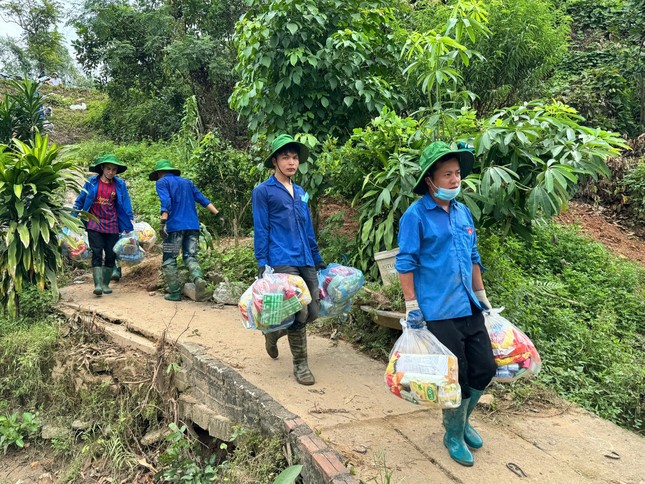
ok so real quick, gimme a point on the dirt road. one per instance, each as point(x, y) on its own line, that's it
point(379, 435)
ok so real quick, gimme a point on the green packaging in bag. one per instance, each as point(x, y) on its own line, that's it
point(275, 309)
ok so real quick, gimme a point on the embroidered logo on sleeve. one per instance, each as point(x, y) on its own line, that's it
point(305, 197)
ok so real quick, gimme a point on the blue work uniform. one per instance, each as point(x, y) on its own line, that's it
point(440, 248)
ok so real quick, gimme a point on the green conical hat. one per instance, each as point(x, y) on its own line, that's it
point(163, 165)
point(435, 152)
point(283, 140)
point(107, 158)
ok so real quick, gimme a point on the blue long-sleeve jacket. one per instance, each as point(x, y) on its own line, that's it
point(439, 248)
point(86, 198)
point(284, 233)
point(178, 196)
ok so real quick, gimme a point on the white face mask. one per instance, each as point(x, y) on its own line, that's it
point(446, 193)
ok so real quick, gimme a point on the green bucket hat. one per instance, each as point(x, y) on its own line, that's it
point(163, 165)
point(107, 158)
point(282, 140)
point(435, 152)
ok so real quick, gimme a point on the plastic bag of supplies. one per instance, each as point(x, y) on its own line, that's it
point(514, 352)
point(127, 249)
point(145, 234)
point(75, 245)
point(337, 285)
point(272, 301)
point(421, 370)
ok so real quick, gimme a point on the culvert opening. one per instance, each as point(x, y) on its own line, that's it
point(105, 412)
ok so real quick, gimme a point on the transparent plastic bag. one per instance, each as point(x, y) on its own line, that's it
point(337, 285)
point(145, 234)
point(514, 352)
point(127, 249)
point(75, 245)
point(271, 302)
point(423, 371)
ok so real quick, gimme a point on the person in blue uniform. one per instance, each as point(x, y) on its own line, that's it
point(284, 240)
point(441, 275)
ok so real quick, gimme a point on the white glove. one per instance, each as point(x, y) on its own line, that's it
point(481, 297)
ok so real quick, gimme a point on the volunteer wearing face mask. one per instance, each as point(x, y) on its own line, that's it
point(440, 271)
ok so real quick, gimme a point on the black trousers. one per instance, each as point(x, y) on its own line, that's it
point(468, 339)
point(310, 276)
point(100, 243)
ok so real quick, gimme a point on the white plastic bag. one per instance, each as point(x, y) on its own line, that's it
point(423, 371)
point(271, 302)
point(514, 352)
point(145, 234)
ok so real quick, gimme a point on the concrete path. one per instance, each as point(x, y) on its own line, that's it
point(383, 438)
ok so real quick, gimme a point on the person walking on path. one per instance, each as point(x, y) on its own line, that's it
point(441, 276)
point(284, 240)
point(106, 197)
point(179, 227)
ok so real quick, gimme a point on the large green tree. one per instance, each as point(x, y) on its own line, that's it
point(317, 67)
point(43, 43)
point(152, 56)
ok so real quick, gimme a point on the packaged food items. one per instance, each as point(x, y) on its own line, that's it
point(75, 245)
point(272, 301)
point(423, 371)
point(337, 285)
point(514, 352)
point(146, 234)
point(127, 249)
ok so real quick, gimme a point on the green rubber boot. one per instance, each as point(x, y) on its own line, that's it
point(107, 275)
point(97, 275)
point(298, 345)
point(197, 277)
point(173, 282)
point(116, 274)
point(454, 420)
point(271, 342)
point(471, 437)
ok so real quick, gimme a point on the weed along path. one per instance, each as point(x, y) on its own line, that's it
point(382, 438)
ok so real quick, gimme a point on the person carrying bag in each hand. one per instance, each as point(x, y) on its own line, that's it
point(440, 271)
point(284, 240)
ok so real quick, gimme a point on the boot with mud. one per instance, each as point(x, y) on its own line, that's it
point(116, 274)
point(271, 342)
point(298, 345)
point(197, 277)
point(174, 284)
point(454, 420)
point(471, 436)
point(107, 275)
point(97, 275)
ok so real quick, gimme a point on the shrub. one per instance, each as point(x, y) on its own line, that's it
point(634, 187)
point(583, 309)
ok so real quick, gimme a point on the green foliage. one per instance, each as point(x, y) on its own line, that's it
point(583, 309)
point(289, 475)
point(14, 430)
point(603, 75)
point(42, 43)
point(26, 356)
point(526, 41)
point(436, 58)
point(227, 177)
point(320, 68)
point(531, 158)
point(20, 111)
point(237, 264)
point(247, 458)
point(152, 57)
point(634, 187)
point(182, 463)
point(33, 184)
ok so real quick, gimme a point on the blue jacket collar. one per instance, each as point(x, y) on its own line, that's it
point(429, 204)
